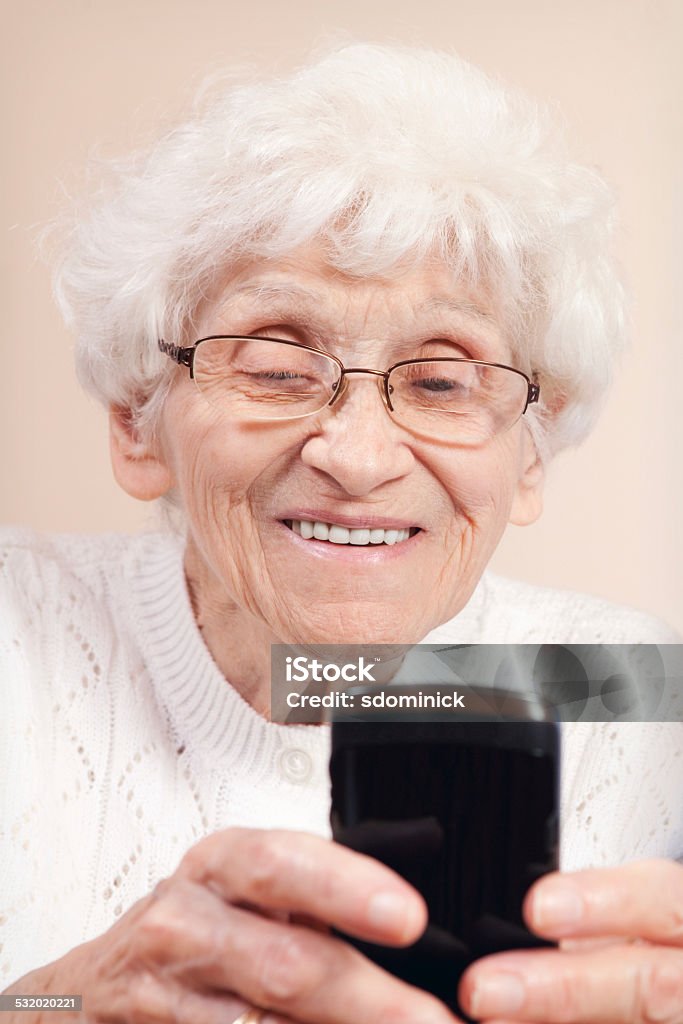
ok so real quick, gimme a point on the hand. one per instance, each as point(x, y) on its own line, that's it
point(243, 922)
point(621, 955)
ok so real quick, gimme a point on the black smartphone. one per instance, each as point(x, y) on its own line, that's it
point(463, 805)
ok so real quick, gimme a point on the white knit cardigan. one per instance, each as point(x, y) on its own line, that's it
point(121, 743)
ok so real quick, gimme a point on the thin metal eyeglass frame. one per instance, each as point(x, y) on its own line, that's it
point(185, 357)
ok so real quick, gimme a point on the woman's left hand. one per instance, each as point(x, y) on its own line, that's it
point(621, 955)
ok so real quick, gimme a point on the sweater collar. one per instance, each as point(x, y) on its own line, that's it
point(205, 712)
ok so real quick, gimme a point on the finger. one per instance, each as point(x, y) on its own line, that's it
point(173, 926)
point(198, 941)
point(306, 874)
point(594, 942)
point(638, 984)
point(305, 975)
point(643, 899)
point(309, 922)
point(152, 1000)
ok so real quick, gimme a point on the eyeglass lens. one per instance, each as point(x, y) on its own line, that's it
point(262, 379)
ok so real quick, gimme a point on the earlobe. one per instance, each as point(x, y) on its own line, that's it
point(527, 503)
point(139, 467)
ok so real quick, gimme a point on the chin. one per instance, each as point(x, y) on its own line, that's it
point(375, 627)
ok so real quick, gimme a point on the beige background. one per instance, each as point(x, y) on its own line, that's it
point(95, 77)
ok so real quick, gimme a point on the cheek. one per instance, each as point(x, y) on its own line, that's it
point(477, 483)
point(224, 476)
point(208, 478)
point(216, 492)
point(200, 467)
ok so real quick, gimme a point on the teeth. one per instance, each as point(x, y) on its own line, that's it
point(321, 531)
point(336, 534)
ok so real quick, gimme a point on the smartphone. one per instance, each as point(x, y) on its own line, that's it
point(465, 807)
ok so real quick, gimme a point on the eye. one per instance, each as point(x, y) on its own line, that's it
point(277, 375)
point(446, 384)
point(440, 384)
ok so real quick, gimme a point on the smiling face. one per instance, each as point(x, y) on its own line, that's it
point(250, 491)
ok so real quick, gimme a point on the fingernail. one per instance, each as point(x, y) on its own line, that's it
point(557, 906)
point(500, 994)
point(391, 911)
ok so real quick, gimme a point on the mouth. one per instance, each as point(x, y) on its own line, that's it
point(335, 533)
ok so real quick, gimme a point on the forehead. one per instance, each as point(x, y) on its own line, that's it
point(305, 282)
point(303, 289)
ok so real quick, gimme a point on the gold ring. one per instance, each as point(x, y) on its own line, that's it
point(253, 1016)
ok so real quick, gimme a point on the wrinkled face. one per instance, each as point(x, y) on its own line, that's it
point(246, 488)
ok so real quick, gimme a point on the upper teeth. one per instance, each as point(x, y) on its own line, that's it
point(343, 535)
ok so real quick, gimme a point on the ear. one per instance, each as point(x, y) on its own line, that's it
point(138, 466)
point(527, 503)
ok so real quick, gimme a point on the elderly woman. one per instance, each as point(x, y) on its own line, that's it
point(341, 322)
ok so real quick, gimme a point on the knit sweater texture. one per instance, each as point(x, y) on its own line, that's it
point(122, 744)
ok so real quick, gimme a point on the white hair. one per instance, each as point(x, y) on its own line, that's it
point(382, 153)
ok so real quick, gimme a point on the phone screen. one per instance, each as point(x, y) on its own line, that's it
point(466, 811)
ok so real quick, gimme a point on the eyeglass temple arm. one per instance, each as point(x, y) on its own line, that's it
point(182, 356)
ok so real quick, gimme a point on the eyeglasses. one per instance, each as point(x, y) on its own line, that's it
point(462, 401)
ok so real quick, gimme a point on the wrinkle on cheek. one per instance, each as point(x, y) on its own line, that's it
point(481, 490)
point(216, 506)
point(223, 516)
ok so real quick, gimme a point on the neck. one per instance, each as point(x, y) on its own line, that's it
point(238, 642)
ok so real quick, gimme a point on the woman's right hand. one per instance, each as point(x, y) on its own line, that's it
point(243, 922)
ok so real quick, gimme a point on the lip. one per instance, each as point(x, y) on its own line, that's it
point(352, 522)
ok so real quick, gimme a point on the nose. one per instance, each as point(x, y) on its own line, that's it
point(357, 444)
